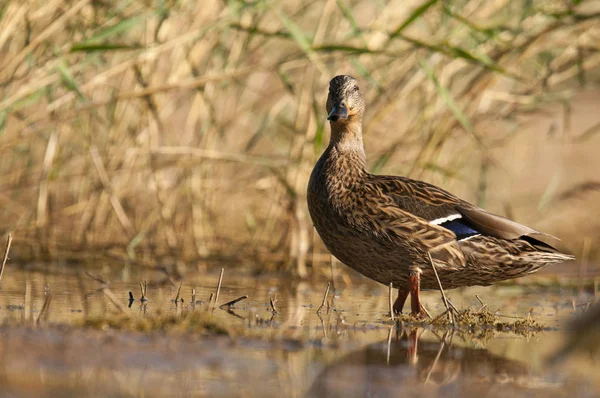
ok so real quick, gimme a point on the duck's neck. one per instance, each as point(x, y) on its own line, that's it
point(346, 140)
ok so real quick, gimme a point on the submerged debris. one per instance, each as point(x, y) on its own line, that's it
point(478, 323)
point(188, 321)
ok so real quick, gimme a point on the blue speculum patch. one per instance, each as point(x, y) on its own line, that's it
point(460, 228)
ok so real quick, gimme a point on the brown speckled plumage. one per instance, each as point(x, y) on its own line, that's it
point(385, 226)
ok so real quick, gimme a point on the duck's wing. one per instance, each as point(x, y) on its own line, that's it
point(440, 208)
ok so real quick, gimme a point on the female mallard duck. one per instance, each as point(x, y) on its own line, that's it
point(387, 227)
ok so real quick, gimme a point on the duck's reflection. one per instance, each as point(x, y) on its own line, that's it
point(408, 364)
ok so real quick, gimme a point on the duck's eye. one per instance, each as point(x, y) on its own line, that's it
point(355, 88)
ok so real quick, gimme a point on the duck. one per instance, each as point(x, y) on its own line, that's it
point(405, 232)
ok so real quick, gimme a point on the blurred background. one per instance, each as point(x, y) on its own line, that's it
point(184, 132)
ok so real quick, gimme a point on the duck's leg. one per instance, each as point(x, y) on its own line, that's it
point(399, 303)
point(416, 309)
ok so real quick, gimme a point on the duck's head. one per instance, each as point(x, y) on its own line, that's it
point(345, 102)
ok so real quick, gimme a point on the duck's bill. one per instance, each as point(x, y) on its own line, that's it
point(338, 112)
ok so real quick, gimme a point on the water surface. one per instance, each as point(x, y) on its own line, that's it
point(350, 349)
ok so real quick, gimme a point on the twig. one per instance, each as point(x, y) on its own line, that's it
point(272, 301)
point(232, 302)
point(435, 361)
point(45, 307)
point(391, 304)
point(452, 306)
point(440, 316)
point(27, 312)
point(144, 290)
point(444, 299)
point(193, 296)
point(324, 297)
point(96, 278)
point(178, 293)
point(218, 288)
point(483, 305)
point(6, 251)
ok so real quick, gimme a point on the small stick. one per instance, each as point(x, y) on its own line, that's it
point(96, 278)
point(272, 301)
point(444, 299)
point(391, 304)
point(439, 316)
point(483, 305)
point(6, 251)
point(324, 297)
point(232, 302)
point(435, 361)
point(389, 343)
point(218, 288)
point(193, 296)
point(27, 300)
point(142, 292)
point(211, 297)
point(178, 292)
point(43, 312)
point(452, 306)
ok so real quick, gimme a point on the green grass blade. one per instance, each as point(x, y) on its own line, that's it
point(3, 117)
point(413, 17)
point(68, 80)
point(456, 52)
point(347, 13)
point(449, 100)
point(343, 48)
point(296, 33)
point(302, 41)
point(89, 47)
point(120, 27)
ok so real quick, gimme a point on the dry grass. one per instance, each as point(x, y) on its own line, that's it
point(188, 129)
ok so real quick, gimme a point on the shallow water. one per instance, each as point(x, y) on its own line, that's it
point(350, 350)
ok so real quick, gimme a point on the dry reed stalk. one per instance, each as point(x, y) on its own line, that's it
point(218, 288)
point(43, 315)
point(178, 294)
point(324, 298)
point(232, 302)
point(27, 312)
point(6, 252)
point(163, 210)
point(57, 25)
point(272, 302)
point(483, 305)
point(391, 302)
point(114, 199)
point(437, 358)
point(42, 203)
point(444, 299)
point(227, 83)
point(144, 291)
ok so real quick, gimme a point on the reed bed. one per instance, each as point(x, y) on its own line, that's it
point(186, 131)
